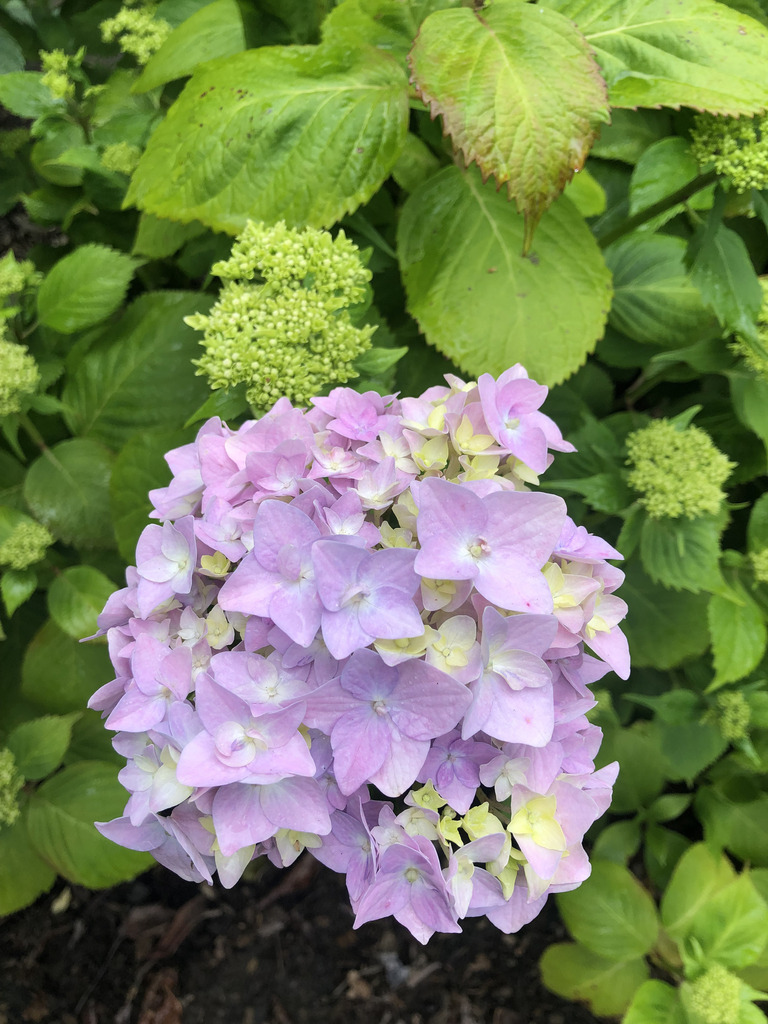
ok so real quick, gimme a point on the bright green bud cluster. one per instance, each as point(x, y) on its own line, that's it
point(56, 78)
point(714, 998)
point(14, 276)
point(11, 781)
point(12, 140)
point(733, 715)
point(738, 148)
point(26, 545)
point(19, 376)
point(281, 323)
point(759, 560)
point(121, 157)
point(756, 357)
point(138, 31)
point(677, 472)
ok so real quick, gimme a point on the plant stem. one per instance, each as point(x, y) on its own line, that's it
point(642, 216)
point(38, 438)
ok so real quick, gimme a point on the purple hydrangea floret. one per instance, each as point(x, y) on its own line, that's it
point(361, 631)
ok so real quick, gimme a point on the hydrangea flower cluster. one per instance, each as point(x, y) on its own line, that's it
point(137, 29)
point(737, 147)
point(282, 321)
point(121, 157)
point(19, 374)
point(755, 354)
point(357, 631)
point(11, 783)
point(677, 470)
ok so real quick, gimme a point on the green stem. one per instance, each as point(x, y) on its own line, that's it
point(38, 438)
point(681, 195)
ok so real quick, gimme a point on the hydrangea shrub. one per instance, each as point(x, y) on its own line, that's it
point(358, 631)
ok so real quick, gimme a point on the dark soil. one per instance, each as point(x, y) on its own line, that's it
point(277, 950)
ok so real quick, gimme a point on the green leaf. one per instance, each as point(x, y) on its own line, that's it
point(705, 55)
point(40, 745)
point(750, 402)
point(739, 634)
point(665, 626)
point(23, 93)
point(655, 1002)
point(16, 587)
point(24, 876)
point(731, 928)
point(740, 827)
point(389, 25)
point(663, 168)
point(139, 376)
point(59, 674)
point(618, 842)
point(655, 302)
point(228, 405)
point(586, 194)
point(683, 554)
point(662, 850)
point(158, 238)
point(700, 874)
point(84, 287)
point(574, 972)
point(722, 270)
point(630, 133)
point(68, 491)
point(267, 119)
point(757, 529)
point(481, 71)
point(641, 778)
point(216, 30)
point(76, 597)
point(139, 468)
point(415, 164)
point(11, 58)
point(61, 816)
point(611, 914)
point(482, 303)
point(689, 748)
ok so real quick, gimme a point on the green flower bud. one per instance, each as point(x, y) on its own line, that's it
point(56, 65)
point(281, 323)
point(677, 472)
point(137, 30)
point(121, 157)
point(15, 276)
point(756, 356)
point(19, 376)
point(26, 545)
point(11, 781)
point(733, 715)
point(759, 560)
point(715, 997)
point(738, 148)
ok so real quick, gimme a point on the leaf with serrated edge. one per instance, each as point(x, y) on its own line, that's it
point(298, 133)
point(482, 303)
point(483, 72)
point(704, 55)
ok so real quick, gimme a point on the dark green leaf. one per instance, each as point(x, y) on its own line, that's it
point(84, 287)
point(665, 627)
point(40, 745)
point(59, 674)
point(76, 597)
point(683, 554)
point(24, 875)
point(16, 587)
point(739, 634)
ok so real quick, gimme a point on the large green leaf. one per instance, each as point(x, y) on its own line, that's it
point(301, 134)
point(68, 491)
point(665, 627)
point(139, 375)
point(638, 751)
point(24, 876)
point(700, 874)
point(574, 972)
point(61, 816)
point(84, 287)
point(682, 554)
point(655, 301)
point(76, 597)
point(655, 1002)
point(739, 634)
point(731, 928)
point(216, 30)
point(59, 674)
point(700, 54)
point(39, 746)
point(484, 304)
point(389, 25)
point(757, 530)
point(139, 468)
point(482, 72)
point(611, 914)
point(740, 827)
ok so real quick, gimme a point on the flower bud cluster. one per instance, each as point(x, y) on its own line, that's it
point(738, 148)
point(715, 997)
point(26, 545)
point(56, 65)
point(122, 157)
point(678, 472)
point(733, 715)
point(138, 30)
point(759, 560)
point(11, 781)
point(282, 323)
point(358, 632)
point(19, 375)
point(756, 356)
point(14, 278)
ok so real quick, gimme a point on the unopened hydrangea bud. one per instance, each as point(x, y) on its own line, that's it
point(55, 64)
point(138, 31)
point(11, 781)
point(738, 148)
point(759, 561)
point(121, 157)
point(26, 545)
point(714, 998)
point(677, 472)
point(733, 715)
point(19, 376)
point(756, 355)
point(15, 276)
point(281, 324)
